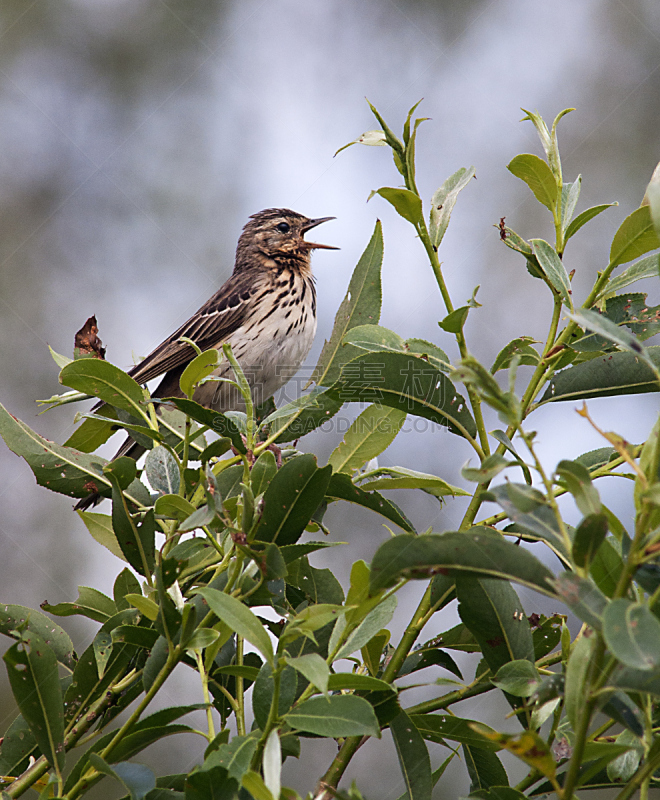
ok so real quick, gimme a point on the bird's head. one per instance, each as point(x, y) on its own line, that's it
point(278, 234)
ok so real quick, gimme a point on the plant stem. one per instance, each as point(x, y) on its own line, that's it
point(90, 776)
point(584, 720)
point(240, 697)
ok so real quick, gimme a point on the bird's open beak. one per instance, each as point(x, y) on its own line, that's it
point(312, 223)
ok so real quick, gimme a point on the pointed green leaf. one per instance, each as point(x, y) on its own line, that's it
point(583, 597)
point(632, 633)
point(314, 668)
point(162, 471)
point(338, 715)
point(14, 619)
point(413, 757)
point(100, 528)
point(554, 268)
point(408, 383)
point(584, 217)
point(607, 376)
point(239, 618)
point(199, 368)
point(32, 671)
point(369, 435)
point(407, 203)
point(477, 552)
point(402, 478)
point(103, 380)
point(635, 237)
point(217, 422)
point(136, 778)
point(518, 678)
point(589, 535)
point(291, 499)
point(361, 306)
point(522, 348)
point(438, 727)
point(443, 202)
point(341, 487)
point(535, 172)
point(90, 603)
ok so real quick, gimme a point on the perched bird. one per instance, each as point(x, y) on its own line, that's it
point(266, 311)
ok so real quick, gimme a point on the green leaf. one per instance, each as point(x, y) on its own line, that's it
point(135, 778)
point(522, 348)
point(538, 176)
point(14, 619)
point(370, 138)
point(577, 689)
point(584, 217)
point(235, 756)
point(484, 768)
point(429, 657)
point(338, 715)
point(199, 368)
point(374, 338)
point(607, 376)
point(314, 668)
point(623, 767)
point(529, 510)
point(589, 536)
point(518, 678)
point(477, 552)
point(239, 618)
point(644, 268)
point(493, 613)
point(402, 478)
point(527, 746)
point(554, 268)
point(302, 416)
point(103, 380)
point(173, 506)
point(361, 306)
point(637, 680)
point(56, 467)
point(407, 203)
point(369, 435)
point(413, 757)
point(162, 470)
point(90, 603)
point(374, 621)
point(94, 431)
point(491, 466)
point(583, 598)
point(263, 471)
point(438, 727)
point(341, 487)
point(145, 605)
point(598, 323)
point(217, 422)
point(570, 194)
point(291, 499)
point(408, 383)
point(340, 681)
point(632, 633)
point(136, 539)
point(443, 202)
point(253, 783)
point(100, 528)
point(18, 744)
point(635, 237)
point(32, 671)
point(577, 480)
point(455, 320)
point(262, 693)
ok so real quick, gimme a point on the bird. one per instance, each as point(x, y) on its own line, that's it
point(266, 311)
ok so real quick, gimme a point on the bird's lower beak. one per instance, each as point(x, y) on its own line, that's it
point(312, 223)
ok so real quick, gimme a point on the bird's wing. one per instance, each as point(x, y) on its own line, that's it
point(209, 326)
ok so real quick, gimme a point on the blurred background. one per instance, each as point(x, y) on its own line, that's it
point(137, 136)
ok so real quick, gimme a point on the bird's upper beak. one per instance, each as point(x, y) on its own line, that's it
point(312, 223)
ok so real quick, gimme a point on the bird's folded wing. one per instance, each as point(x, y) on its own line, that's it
point(208, 327)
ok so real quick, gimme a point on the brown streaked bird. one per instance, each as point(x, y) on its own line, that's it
point(266, 311)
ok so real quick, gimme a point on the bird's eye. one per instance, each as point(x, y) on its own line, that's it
point(284, 227)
